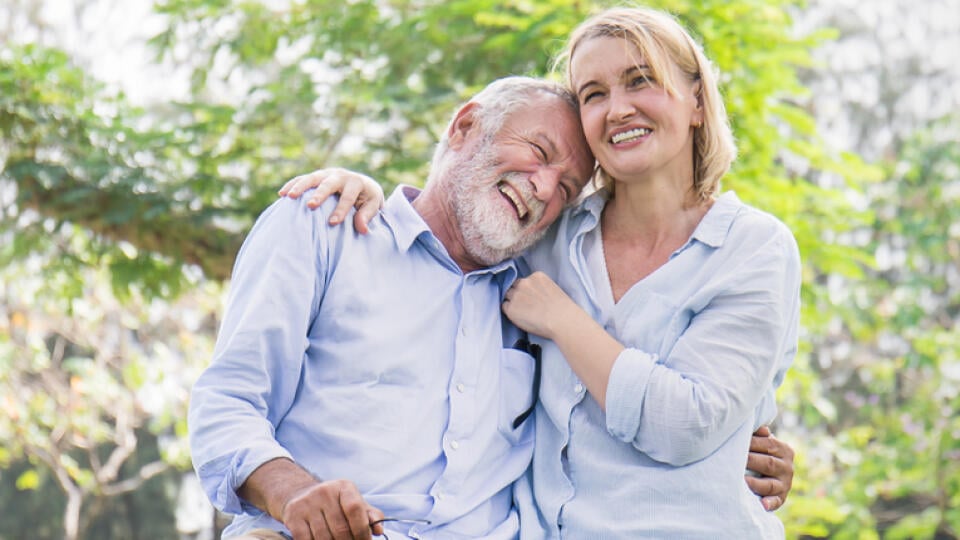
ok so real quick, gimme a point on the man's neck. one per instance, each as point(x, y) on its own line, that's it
point(436, 209)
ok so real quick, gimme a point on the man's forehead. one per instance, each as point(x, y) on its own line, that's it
point(541, 102)
point(551, 120)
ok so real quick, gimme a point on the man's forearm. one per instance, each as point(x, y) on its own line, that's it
point(273, 484)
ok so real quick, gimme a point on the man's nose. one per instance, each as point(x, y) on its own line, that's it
point(545, 182)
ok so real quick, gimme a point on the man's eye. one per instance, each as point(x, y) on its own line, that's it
point(542, 153)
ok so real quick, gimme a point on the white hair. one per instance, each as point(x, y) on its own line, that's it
point(498, 100)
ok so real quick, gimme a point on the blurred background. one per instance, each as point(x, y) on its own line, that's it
point(140, 139)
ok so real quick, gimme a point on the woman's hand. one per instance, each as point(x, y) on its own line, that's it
point(539, 306)
point(536, 304)
point(355, 189)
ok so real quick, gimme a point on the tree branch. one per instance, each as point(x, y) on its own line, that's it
point(145, 473)
point(126, 441)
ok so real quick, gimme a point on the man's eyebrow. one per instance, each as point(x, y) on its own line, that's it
point(547, 141)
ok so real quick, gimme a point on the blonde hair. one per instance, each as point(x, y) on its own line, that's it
point(661, 41)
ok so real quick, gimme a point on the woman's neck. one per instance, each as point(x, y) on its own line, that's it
point(652, 213)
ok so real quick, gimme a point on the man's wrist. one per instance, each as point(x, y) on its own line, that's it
point(272, 485)
point(277, 505)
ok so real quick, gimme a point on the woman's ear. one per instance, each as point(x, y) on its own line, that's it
point(463, 123)
point(696, 120)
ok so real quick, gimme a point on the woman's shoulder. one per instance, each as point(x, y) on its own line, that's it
point(750, 219)
point(752, 227)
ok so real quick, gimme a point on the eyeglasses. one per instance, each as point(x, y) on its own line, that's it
point(523, 344)
point(398, 520)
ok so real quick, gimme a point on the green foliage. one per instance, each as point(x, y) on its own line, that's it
point(86, 382)
point(30, 479)
point(896, 443)
point(322, 75)
point(96, 182)
point(36, 513)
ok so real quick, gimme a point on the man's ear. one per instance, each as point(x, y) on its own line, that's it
point(463, 123)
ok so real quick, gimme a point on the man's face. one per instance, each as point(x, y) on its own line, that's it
point(510, 187)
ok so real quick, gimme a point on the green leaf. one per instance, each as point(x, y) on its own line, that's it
point(29, 480)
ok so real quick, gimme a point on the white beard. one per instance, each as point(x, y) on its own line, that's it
point(491, 231)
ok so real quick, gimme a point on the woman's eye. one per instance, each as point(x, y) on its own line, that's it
point(639, 81)
point(587, 97)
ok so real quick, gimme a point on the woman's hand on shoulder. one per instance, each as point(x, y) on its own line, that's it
point(355, 189)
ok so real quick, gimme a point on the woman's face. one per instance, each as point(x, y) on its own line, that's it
point(634, 127)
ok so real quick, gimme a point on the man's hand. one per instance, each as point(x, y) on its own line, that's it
point(355, 189)
point(773, 460)
point(310, 508)
point(330, 510)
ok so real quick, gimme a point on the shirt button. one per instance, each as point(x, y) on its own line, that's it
point(463, 331)
point(578, 388)
point(439, 496)
point(461, 388)
point(454, 445)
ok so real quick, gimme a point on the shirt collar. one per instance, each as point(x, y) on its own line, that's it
point(593, 203)
point(712, 229)
point(715, 225)
point(408, 226)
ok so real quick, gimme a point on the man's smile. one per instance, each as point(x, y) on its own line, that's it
point(511, 194)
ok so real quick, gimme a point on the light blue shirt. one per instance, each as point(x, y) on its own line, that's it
point(709, 336)
point(368, 358)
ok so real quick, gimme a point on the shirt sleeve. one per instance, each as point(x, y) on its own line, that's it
point(238, 401)
point(681, 408)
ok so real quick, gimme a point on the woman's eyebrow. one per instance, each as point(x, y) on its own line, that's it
point(584, 86)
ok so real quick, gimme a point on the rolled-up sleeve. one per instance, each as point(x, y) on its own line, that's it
point(680, 408)
point(238, 401)
point(629, 379)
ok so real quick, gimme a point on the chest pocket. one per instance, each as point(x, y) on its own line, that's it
point(648, 321)
point(517, 370)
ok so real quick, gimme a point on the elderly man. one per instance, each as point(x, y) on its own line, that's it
point(368, 384)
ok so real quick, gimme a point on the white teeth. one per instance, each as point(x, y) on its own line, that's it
point(635, 133)
point(512, 195)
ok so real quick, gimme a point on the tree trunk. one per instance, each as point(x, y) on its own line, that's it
point(71, 515)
